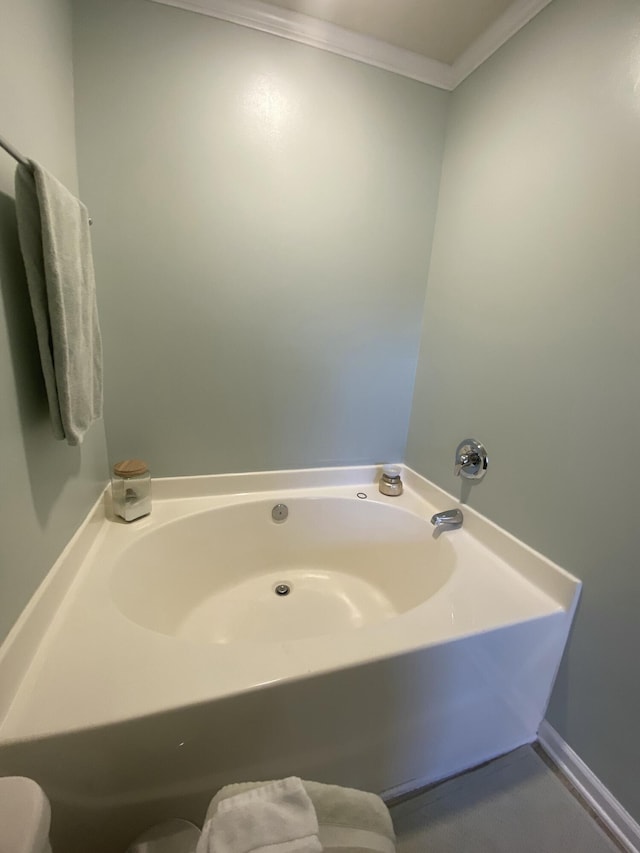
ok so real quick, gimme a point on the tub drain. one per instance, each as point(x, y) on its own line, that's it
point(282, 589)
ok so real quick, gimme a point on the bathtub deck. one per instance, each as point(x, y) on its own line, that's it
point(97, 667)
point(123, 725)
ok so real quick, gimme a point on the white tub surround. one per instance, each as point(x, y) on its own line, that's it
point(171, 667)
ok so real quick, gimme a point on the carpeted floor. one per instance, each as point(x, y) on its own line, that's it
point(516, 804)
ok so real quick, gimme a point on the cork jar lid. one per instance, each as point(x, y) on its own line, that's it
point(130, 468)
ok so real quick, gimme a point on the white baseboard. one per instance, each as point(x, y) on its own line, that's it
point(601, 800)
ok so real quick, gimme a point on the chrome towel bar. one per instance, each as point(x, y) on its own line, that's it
point(8, 147)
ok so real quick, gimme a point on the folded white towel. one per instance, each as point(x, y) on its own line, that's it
point(53, 227)
point(349, 821)
point(277, 817)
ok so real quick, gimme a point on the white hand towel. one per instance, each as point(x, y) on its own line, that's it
point(277, 817)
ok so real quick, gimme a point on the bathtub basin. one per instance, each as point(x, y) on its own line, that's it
point(157, 663)
point(335, 564)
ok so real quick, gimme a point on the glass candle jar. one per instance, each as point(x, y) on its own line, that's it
point(390, 483)
point(131, 489)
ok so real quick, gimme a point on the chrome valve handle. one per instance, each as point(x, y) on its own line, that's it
point(471, 459)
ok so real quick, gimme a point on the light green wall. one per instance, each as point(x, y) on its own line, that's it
point(263, 226)
point(263, 218)
point(531, 338)
point(46, 487)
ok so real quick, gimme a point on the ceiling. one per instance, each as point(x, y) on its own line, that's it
point(439, 42)
point(437, 29)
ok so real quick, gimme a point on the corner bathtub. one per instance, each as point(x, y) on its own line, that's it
point(158, 661)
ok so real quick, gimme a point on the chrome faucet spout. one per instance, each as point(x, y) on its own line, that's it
point(450, 519)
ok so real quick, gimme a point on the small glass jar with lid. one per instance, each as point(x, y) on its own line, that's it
point(131, 489)
point(390, 483)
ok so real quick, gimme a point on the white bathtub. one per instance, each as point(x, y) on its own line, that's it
point(345, 563)
point(158, 663)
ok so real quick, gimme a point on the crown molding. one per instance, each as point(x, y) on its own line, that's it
point(326, 36)
point(321, 34)
point(507, 25)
